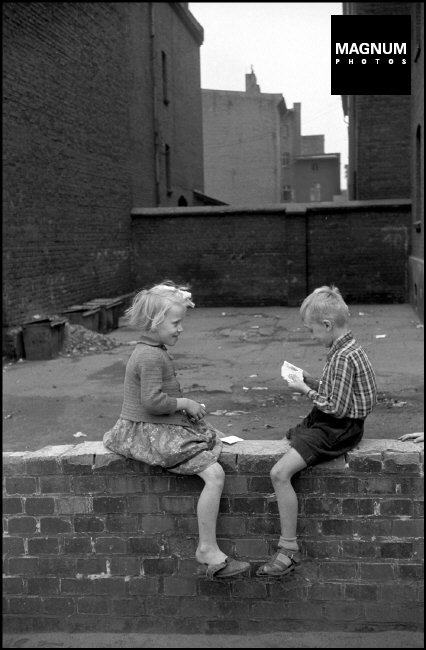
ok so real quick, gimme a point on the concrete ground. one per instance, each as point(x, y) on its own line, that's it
point(388, 639)
point(230, 360)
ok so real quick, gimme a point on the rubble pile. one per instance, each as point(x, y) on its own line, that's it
point(80, 341)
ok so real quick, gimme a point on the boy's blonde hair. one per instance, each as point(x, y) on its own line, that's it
point(325, 303)
point(150, 306)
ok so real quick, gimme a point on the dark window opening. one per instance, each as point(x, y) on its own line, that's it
point(286, 193)
point(168, 169)
point(165, 78)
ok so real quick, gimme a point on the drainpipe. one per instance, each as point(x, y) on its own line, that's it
point(307, 250)
point(154, 105)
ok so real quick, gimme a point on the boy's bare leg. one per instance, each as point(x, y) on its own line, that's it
point(285, 559)
point(281, 475)
point(207, 512)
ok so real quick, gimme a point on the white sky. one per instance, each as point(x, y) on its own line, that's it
point(288, 45)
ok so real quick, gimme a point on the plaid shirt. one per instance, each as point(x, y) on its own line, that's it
point(347, 387)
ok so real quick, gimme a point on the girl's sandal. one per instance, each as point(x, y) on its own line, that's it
point(227, 569)
point(277, 567)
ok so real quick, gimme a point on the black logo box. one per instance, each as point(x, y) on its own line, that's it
point(371, 74)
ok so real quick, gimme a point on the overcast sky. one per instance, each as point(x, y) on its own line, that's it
point(288, 45)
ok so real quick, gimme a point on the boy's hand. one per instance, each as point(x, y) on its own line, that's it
point(298, 385)
point(418, 436)
point(310, 381)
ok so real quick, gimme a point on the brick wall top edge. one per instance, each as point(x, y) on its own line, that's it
point(85, 452)
point(281, 208)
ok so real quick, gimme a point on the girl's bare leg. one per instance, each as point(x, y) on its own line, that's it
point(207, 513)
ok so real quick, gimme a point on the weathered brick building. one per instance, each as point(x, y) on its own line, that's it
point(95, 123)
point(386, 141)
point(379, 146)
point(417, 130)
point(316, 176)
point(254, 152)
point(379, 130)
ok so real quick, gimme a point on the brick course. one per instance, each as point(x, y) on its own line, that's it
point(122, 558)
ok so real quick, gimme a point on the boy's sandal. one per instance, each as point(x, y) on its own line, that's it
point(277, 567)
point(226, 569)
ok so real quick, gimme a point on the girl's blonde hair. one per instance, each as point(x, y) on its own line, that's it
point(150, 306)
point(325, 303)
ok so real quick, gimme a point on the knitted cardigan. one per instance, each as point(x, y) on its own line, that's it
point(151, 388)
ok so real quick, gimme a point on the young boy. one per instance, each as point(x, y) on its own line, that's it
point(342, 399)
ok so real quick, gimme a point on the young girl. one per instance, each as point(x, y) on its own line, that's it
point(159, 426)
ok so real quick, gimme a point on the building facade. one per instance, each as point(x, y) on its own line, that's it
point(95, 124)
point(254, 152)
point(386, 141)
point(317, 177)
point(378, 130)
point(417, 130)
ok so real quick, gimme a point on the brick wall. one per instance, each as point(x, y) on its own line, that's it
point(276, 255)
point(362, 250)
point(97, 542)
point(78, 142)
point(416, 260)
point(180, 121)
point(65, 151)
point(383, 147)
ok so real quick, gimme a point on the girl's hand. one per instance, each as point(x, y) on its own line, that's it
point(195, 410)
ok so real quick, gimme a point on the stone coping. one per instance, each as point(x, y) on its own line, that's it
point(96, 454)
point(271, 208)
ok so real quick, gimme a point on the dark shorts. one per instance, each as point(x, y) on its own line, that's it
point(321, 437)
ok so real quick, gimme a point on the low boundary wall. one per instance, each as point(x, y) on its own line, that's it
point(93, 541)
point(276, 254)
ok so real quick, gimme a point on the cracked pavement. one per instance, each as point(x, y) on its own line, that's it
point(228, 358)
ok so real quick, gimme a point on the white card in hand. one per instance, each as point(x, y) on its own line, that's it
point(288, 369)
point(230, 440)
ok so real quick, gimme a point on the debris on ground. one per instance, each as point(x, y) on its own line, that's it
point(81, 341)
point(225, 412)
point(390, 402)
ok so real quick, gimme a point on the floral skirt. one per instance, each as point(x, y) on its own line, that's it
point(179, 449)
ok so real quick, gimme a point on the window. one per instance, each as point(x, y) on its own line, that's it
point(418, 180)
point(286, 193)
point(168, 170)
point(165, 78)
point(315, 192)
point(285, 159)
point(314, 167)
